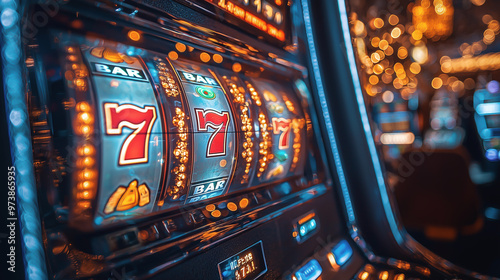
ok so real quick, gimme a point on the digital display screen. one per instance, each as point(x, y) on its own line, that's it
point(265, 18)
point(247, 264)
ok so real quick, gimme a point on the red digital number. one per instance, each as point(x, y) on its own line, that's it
point(218, 121)
point(135, 148)
point(282, 125)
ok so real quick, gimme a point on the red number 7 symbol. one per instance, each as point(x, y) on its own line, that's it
point(283, 125)
point(135, 149)
point(218, 121)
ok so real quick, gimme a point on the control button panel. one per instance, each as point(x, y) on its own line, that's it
point(310, 271)
point(305, 226)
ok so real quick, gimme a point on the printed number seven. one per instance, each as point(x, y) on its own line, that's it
point(135, 148)
point(217, 121)
point(282, 125)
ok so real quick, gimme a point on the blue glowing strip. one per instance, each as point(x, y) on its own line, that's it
point(366, 124)
point(20, 142)
point(326, 113)
point(488, 109)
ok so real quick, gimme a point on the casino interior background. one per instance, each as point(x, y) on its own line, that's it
point(250, 139)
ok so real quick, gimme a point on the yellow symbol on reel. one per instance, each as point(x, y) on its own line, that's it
point(125, 198)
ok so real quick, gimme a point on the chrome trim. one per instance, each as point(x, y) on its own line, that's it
point(396, 230)
point(326, 112)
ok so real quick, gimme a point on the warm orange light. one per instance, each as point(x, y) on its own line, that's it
point(217, 58)
point(82, 106)
point(86, 150)
point(378, 23)
point(173, 55)
point(333, 262)
point(216, 214)
point(205, 57)
point(244, 203)
point(393, 19)
point(383, 44)
point(85, 129)
point(384, 275)
point(85, 117)
point(232, 206)
point(373, 80)
point(402, 52)
point(415, 68)
point(399, 277)
point(417, 35)
point(134, 35)
point(180, 47)
point(210, 207)
point(437, 83)
point(364, 275)
point(87, 174)
point(236, 67)
point(85, 185)
point(396, 32)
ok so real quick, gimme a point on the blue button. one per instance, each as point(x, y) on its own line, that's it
point(310, 271)
point(342, 252)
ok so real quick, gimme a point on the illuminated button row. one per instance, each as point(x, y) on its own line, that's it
point(338, 256)
point(310, 271)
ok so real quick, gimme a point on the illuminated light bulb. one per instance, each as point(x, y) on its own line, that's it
point(216, 214)
point(85, 129)
point(85, 195)
point(437, 83)
point(85, 117)
point(333, 262)
point(173, 55)
point(388, 96)
point(204, 57)
point(232, 206)
point(396, 32)
point(402, 53)
point(180, 47)
point(389, 51)
point(244, 202)
point(114, 83)
point(83, 204)
point(393, 19)
point(383, 44)
point(85, 185)
point(80, 82)
point(399, 277)
point(378, 23)
point(384, 275)
point(236, 67)
point(86, 174)
point(134, 35)
point(415, 68)
point(86, 150)
point(364, 275)
point(373, 80)
point(417, 35)
point(210, 207)
point(217, 58)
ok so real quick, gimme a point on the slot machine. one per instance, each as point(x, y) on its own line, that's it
point(187, 139)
